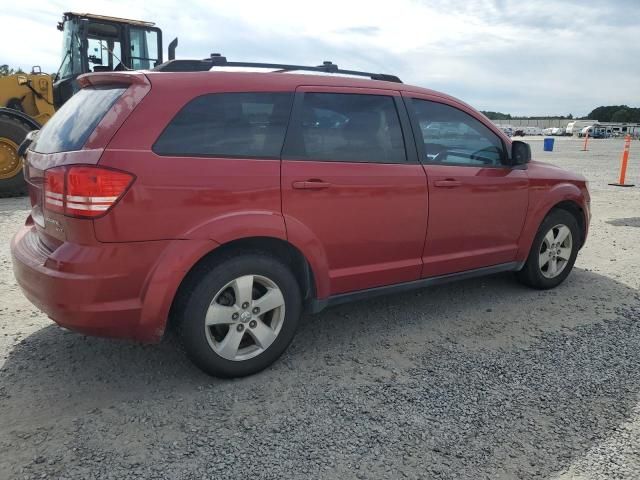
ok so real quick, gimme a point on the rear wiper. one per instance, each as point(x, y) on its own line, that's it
point(26, 143)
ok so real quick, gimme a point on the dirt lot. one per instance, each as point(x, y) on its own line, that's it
point(479, 379)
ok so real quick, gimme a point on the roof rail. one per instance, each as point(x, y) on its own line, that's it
point(217, 60)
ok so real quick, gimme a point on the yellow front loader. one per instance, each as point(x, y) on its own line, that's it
point(91, 43)
point(27, 103)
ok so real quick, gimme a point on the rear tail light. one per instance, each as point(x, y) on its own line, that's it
point(84, 191)
point(54, 189)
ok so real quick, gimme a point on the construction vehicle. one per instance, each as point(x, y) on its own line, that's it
point(91, 43)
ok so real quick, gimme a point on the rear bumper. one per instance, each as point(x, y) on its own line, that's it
point(94, 289)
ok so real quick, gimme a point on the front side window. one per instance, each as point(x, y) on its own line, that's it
point(452, 136)
point(341, 127)
point(250, 125)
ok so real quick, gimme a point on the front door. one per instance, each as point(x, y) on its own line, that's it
point(350, 188)
point(477, 202)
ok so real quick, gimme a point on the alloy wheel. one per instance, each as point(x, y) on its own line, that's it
point(245, 317)
point(555, 251)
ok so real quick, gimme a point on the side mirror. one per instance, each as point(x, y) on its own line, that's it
point(22, 80)
point(520, 153)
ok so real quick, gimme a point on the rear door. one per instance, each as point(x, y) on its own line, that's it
point(477, 202)
point(352, 186)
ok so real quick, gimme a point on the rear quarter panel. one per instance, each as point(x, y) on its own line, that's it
point(187, 197)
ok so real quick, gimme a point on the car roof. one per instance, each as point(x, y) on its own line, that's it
point(212, 81)
point(280, 81)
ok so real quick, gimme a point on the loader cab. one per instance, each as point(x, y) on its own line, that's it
point(95, 43)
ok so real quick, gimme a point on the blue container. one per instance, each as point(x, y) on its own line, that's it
point(548, 144)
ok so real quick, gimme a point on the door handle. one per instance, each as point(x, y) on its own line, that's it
point(448, 183)
point(310, 185)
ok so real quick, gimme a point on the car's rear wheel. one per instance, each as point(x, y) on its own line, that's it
point(553, 252)
point(236, 317)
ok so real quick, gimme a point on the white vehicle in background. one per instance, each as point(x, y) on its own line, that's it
point(532, 131)
point(577, 126)
point(586, 130)
point(596, 131)
point(547, 131)
point(557, 131)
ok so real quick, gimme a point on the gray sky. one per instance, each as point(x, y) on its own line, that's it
point(519, 57)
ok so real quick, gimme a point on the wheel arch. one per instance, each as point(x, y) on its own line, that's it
point(576, 210)
point(564, 196)
point(281, 249)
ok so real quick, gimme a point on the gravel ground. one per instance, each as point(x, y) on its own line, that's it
point(478, 379)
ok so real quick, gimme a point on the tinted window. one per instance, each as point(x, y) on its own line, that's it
point(452, 136)
point(71, 126)
point(228, 125)
point(347, 128)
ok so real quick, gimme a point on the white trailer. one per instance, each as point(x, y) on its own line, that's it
point(576, 127)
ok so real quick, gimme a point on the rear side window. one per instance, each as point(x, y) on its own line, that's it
point(236, 125)
point(344, 127)
point(71, 126)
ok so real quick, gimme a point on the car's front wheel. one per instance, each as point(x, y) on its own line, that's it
point(553, 252)
point(237, 316)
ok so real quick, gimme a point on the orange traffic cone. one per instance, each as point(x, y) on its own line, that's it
point(586, 141)
point(624, 160)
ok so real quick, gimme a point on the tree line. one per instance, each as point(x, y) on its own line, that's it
point(6, 70)
point(611, 113)
point(616, 113)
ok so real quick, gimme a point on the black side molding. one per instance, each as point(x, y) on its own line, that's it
point(317, 305)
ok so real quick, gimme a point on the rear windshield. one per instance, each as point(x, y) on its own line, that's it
point(71, 126)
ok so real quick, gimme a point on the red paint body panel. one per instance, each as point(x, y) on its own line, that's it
point(550, 185)
point(374, 224)
point(198, 195)
point(97, 290)
point(476, 224)
point(369, 224)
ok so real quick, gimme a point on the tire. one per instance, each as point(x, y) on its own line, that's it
point(214, 291)
point(544, 276)
point(12, 133)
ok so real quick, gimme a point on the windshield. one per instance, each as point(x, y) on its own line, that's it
point(70, 64)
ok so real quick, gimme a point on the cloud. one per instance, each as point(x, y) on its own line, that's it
point(362, 30)
point(547, 57)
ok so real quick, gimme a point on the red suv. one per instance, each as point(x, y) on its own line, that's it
point(227, 203)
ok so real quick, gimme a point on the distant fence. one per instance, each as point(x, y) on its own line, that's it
point(541, 123)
